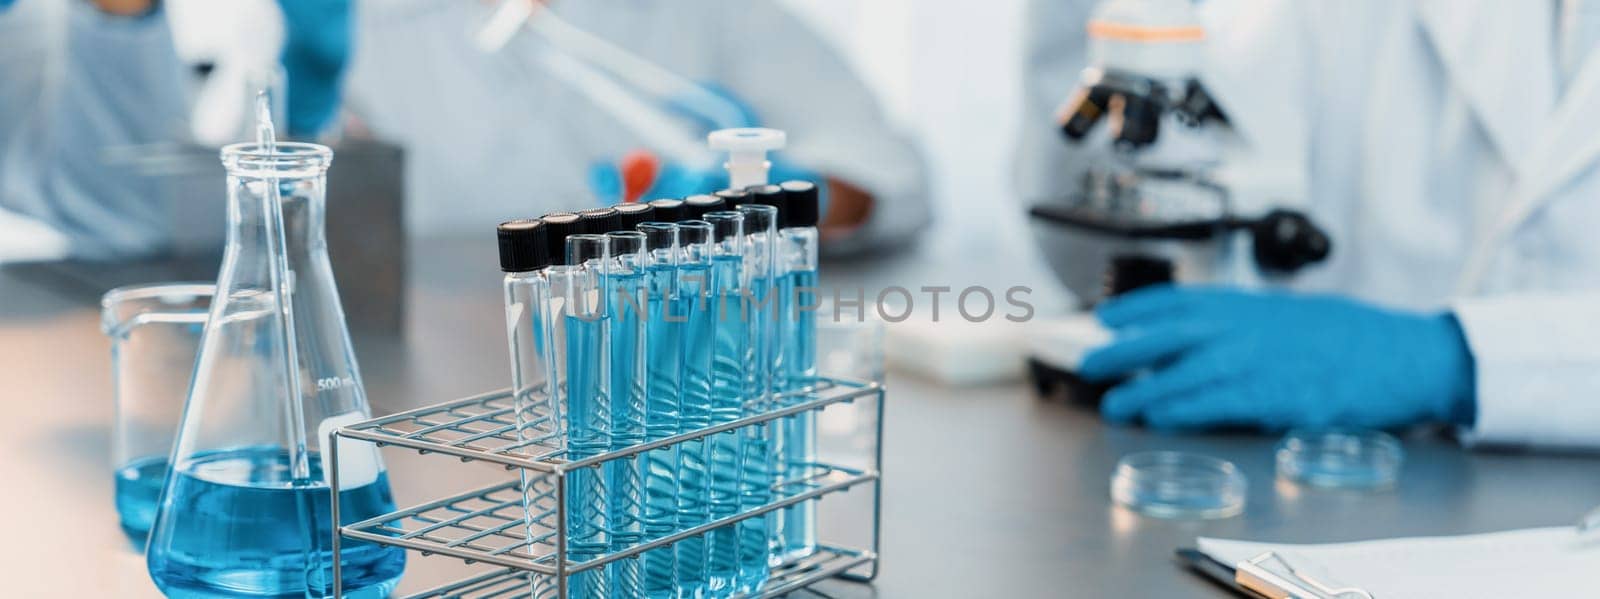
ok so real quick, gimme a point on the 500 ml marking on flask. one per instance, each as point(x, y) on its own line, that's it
point(335, 382)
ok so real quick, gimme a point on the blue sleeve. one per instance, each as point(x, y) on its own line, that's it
point(116, 83)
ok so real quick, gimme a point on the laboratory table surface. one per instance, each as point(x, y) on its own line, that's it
point(987, 490)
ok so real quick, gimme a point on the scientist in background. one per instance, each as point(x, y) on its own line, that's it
point(1453, 150)
point(79, 78)
point(492, 136)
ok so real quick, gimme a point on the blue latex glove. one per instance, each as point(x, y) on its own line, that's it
point(4, 4)
point(315, 50)
point(1209, 357)
point(713, 107)
point(679, 181)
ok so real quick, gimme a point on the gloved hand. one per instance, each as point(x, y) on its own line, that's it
point(642, 176)
point(1208, 357)
point(316, 47)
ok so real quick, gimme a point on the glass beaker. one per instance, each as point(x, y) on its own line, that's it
point(154, 332)
point(245, 510)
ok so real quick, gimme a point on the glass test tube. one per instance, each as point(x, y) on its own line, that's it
point(524, 254)
point(730, 353)
point(761, 358)
point(696, 239)
point(524, 257)
point(797, 296)
point(625, 309)
point(584, 319)
point(665, 320)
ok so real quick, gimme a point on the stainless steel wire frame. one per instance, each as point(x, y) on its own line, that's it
point(483, 428)
point(502, 583)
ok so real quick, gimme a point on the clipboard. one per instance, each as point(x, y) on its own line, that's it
point(1266, 576)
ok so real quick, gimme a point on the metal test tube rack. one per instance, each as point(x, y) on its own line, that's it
point(490, 525)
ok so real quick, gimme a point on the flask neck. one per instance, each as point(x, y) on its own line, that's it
point(252, 225)
point(289, 177)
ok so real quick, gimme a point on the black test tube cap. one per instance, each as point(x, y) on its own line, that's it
point(599, 221)
point(801, 204)
point(558, 225)
point(634, 214)
point(699, 205)
point(523, 245)
point(734, 198)
point(769, 195)
point(669, 210)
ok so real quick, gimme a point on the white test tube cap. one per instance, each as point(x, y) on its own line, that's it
point(747, 153)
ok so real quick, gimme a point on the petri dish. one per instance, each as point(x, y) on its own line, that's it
point(1171, 484)
point(1340, 459)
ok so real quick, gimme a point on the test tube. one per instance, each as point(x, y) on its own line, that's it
point(580, 281)
point(730, 353)
point(796, 444)
point(665, 320)
point(625, 300)
point(524, 254)
point(696, 240)
point(558, 226)
point(762, 357)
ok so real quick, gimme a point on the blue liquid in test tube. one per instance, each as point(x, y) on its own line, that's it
point(586, 322)
point(762, 358)
point(626, 297)
point(664, 373)
point(694, 481)
point(730, 355)
point(799, 335)
point(588, 424)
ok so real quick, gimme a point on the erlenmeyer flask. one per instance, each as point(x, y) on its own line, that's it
point(245, 510)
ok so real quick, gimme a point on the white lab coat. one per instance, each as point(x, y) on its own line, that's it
point(494, 137)
point(1428, 136)
point(74, 85)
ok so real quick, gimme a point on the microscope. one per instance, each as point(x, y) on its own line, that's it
point(1151, 201)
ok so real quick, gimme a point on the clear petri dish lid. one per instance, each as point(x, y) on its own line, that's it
point(1343, 459)
point(1171, 484)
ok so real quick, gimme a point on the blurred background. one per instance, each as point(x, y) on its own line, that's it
point(922, 60)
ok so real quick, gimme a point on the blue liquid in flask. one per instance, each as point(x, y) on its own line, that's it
point(138, 493)
point(237, 531)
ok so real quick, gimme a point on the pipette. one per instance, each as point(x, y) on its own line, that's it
point(635, 90)
point(282, 277)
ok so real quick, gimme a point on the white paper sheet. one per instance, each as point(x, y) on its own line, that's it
point(1539, 562)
